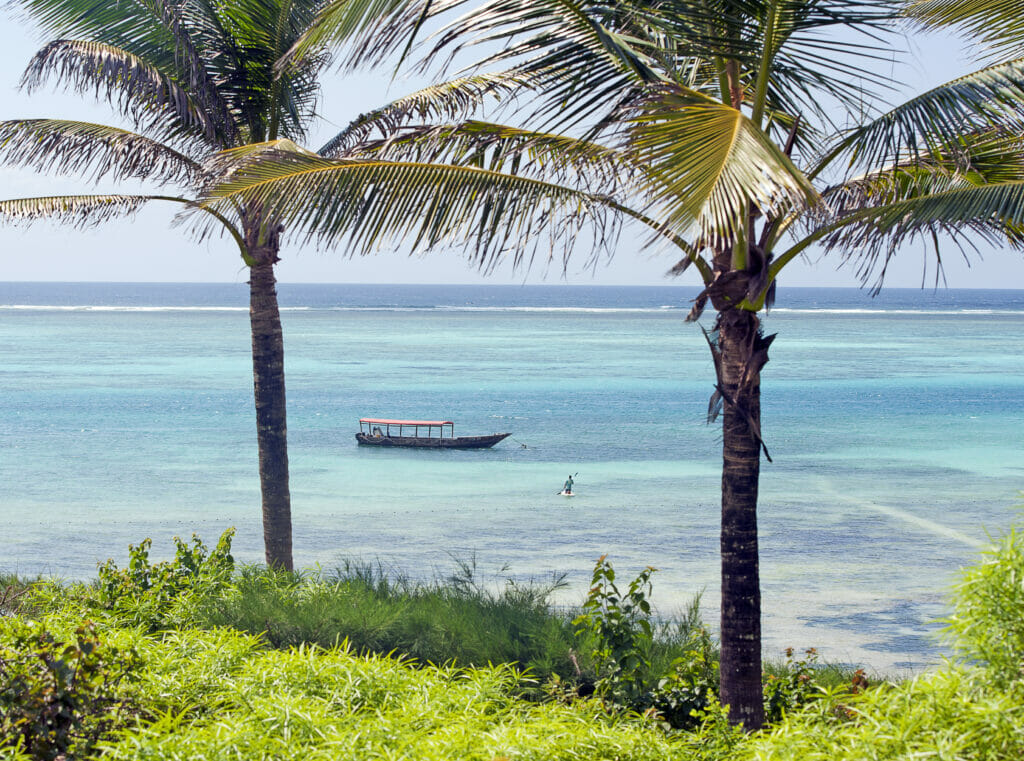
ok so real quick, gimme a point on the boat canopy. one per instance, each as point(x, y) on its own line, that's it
point(383, 421)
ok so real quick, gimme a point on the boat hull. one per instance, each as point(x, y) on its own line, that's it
point(422, 442)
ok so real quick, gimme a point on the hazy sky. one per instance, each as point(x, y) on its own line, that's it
point(147, 248)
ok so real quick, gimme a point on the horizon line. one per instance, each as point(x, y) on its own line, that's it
point(934, 289)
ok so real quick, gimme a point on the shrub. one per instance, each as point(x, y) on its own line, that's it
point(794, 686)
point(58, 695)
point(688, 694)
point(987, 624)
point(13, 592)
point(241, 701)
point(620, 629)
point(156, 595)
point(954, 713)
point(623, 642)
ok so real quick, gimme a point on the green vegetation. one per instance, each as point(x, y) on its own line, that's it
point(149, 662)
point(988, 622)
point(716, 127)
point(12, 593)
point(738, 134)
point(446, 620)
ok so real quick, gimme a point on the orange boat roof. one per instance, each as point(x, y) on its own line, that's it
point(382, 421)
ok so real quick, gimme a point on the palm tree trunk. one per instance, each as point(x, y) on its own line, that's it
point(740, 346)
point(271, 424)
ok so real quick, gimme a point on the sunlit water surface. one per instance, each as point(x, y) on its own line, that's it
point(894, 425)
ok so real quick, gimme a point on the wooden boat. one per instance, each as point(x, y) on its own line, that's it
point(440, 434)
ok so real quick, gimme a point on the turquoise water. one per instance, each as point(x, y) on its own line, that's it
point(894, 425)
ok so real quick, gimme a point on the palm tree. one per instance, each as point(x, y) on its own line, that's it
point(193, 77)
point(709, 123)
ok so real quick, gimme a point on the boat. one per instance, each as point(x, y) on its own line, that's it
point(440, 434)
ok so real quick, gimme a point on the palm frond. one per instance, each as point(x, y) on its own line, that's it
point(82, 211)
point(991, 97)
point(972, 160)
point(581, 54)
point(996, 24)
point(92, 151)
point(709, 163)
point(552, 158)
point(454, 100)
point(812, 55)
point(182, 22)
point(159, 32)
point(813, 46)
point(631, 37)
point(931, 206)
point(366, 32)
point(372, 204)
point(252, 36)
point(221, 166)
point(152, 99)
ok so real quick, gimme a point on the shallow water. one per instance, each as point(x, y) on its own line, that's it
point(894, 425)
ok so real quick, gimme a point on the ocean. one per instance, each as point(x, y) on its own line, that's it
point(894, 424)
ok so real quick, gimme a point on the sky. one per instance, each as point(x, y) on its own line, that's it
point(146, 248)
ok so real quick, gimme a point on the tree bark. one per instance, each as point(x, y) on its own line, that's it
point(271, 422)
point(742, 352)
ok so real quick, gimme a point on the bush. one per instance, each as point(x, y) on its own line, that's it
point(220, 695)
point(686, 695)
point(158, 595)
point(628, 652)
point(793, 687)
point(619, 628)
point(987, 624)
point(58, 695)
point(954, 713)
point(13, 592)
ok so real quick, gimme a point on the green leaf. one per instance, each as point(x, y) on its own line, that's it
point(871, 236)
point(372, 203)
point(996, 24)
point(80, 210)
point(92, 151)
point(992, 98)
point(709, 164)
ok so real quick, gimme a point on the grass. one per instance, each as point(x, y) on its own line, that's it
point(440, 622)
point(222, 694)
point(448, 620)
point(167, 672)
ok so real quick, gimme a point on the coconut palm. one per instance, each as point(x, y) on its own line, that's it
point(709, 122)
point(192, 78)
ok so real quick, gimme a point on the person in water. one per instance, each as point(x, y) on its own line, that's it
point(567, 489)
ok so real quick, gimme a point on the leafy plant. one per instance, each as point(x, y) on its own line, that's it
point(795, 686)
point(711, 737)
point(684, 697)
point(621, 629)
point(987, 623)
point(59, 695)
point(152, 594)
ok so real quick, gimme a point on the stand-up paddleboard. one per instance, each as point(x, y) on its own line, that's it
point(567, 493)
